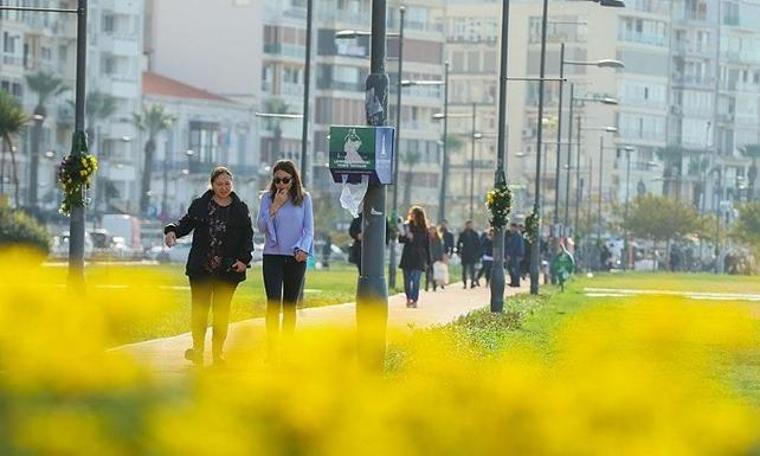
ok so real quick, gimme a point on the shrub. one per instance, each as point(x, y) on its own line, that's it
point(18, 229)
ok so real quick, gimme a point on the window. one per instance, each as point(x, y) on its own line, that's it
point(204, 141)
point(109, 23)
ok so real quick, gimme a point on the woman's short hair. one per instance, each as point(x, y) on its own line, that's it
point(218, 171)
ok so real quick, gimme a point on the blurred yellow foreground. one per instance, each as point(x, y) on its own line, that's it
point(641, 379)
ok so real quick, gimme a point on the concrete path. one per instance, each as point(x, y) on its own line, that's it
point(165, 356)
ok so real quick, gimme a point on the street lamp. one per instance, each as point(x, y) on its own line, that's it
point(601, 181)
point(535, 254)
point(603, 63)
point(79, 138)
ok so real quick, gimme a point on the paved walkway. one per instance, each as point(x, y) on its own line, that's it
point(166, 355)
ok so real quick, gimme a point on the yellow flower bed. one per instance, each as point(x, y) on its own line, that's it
point(634, 379)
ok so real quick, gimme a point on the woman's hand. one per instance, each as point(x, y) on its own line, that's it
point(280, 198)
point(301, 256)
point(238, 266)
point(170, 239)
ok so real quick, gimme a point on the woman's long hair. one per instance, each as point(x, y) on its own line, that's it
point(417, 218)
point(296, 190)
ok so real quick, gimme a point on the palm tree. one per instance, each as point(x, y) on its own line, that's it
point(12, 121)
point(98, 106)
point(410, 159)
point(44, 85)
point(276, 106)
point(751, 151)
point(672, 157)
point(153, 120)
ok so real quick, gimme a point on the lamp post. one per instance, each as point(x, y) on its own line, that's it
point(601, 188)
point(307, 87)
point(579, 129)
point(603, 63)
point(79, 138)
point(497, 269)
point(371, 291)
point(628, 150)
point(445, 168)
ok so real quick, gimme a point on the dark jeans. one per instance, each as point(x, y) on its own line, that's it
point(283, 281)
point(412, 284)
point(485, 270)
point(468, 269)
point(429, 279)
point(207, 293)
point(513, 264)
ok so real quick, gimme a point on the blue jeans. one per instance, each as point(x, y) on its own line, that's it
point(412, 284)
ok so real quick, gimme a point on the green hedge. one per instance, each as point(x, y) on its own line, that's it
point(18, 229)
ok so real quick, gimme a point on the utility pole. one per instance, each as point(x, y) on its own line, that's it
point(372, 292)
point(306, 92)
point(472, 162)
point(445, 169)
point(497, 269)
point(394, 208)
point(535, 251)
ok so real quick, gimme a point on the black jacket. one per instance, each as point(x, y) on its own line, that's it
point(416, 253)
point(448, 242)
point(238, 243)
point(355, 255)
point(468, 246)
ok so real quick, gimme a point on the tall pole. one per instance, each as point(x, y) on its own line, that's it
point(535, 251)
point(371, 290)
point(445, 169)
point(625, 210)
point(394, 207)
point(306, 91)
point(569, 157)
point(472, 162)
point(578, 192)
point(34, 159)
point(559, 134)
point(588, 213)
point(497, 269)
point(78, 145)
point(601, 190)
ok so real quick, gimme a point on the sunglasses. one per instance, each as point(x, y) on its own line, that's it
point(283, 180)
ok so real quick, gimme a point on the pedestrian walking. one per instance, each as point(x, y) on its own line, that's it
point(448, 239)
point(415, 258)
point(438, 261)
point(219, 256)
point(468, 248)
point(287, 221)
point(355, 231)
point(514, 252)
point(327, 251)
point(486, 259)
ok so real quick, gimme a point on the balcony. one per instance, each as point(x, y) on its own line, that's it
point(694, 80)
point(285, 50)
point(631, 36)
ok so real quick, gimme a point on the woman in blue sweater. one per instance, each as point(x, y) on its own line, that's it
point(287, 221)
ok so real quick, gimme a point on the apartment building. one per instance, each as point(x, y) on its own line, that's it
point(34, 42)
point(340, 68)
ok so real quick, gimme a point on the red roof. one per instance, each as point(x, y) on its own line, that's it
point(155, 84)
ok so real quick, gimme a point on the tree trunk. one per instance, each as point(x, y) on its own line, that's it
point(150, 148)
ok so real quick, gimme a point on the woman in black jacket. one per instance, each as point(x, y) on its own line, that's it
point(415, 257)
point(220, 254)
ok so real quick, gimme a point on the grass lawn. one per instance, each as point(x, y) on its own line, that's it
point(323, 287)
point(536, 322)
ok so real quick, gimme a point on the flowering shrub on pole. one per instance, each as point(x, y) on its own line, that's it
point(532, 222)
point(75, 176)
point(499, 202)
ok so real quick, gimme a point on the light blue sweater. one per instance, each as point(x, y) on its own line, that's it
point(291, 228)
